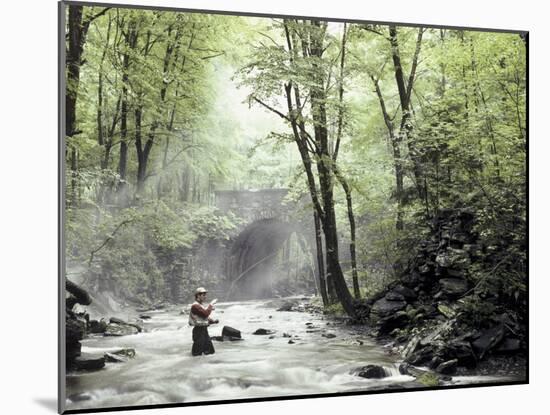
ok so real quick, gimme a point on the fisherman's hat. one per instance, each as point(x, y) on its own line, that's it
point(200, 290)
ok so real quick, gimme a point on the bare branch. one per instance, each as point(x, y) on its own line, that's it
point(213, 56)
point(270, 108)
point(101, 13)
point(109, 238)
point(270, 38)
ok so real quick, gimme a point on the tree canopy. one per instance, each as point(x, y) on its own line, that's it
point(381, 127)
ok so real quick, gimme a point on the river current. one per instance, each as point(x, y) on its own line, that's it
point(163, 370)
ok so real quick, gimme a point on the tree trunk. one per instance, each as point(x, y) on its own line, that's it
point(76, 38)
point(341, 178)
point(325, 169)
point(351, 219)
point(405, 91)
point(143, 152)
point(397, 162)
point(76, 35)
point(320, 260)
point(131, 42)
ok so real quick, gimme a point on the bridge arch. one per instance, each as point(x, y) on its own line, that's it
point(270, 229)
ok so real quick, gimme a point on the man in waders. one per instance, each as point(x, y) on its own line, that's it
point(199, 318)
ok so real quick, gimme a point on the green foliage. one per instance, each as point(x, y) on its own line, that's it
point(466, 146)
point(429, 379)
point(334, 309)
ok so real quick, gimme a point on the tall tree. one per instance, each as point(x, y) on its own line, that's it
point(306, 43)
point(404, 132)
point(77, 29)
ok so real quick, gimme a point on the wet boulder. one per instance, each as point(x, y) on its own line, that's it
point(116, 329)
point(230, 332)
point(113, 358)
point(370, 372)
point(263, 332)
point(88, 362)
point(116, 320)
point(97, 327)
point(129, 353)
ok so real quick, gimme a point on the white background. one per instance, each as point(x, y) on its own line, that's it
point(28, 229)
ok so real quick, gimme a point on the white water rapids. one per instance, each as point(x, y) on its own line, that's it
point(163, 370)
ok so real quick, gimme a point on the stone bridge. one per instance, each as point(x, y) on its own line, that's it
point(254, 205)
point(268, 222)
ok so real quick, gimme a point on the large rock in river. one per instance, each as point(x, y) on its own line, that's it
point(230, 332)
point(116, 329)
point(263, 332)
point(370, 372)
point(88, 362)
point(97, 327)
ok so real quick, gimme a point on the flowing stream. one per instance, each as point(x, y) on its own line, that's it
point(163, 370)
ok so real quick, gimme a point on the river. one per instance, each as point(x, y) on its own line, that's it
point(163, 370)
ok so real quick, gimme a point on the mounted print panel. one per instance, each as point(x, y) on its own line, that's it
point(275, 207)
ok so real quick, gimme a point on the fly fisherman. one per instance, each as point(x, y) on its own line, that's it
point(199, 318)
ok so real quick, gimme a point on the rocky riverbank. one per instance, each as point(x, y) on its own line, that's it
point(434, 315)
point(79, 325)
point(434, 354)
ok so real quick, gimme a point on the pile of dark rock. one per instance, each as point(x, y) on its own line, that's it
point(422, 310)
point(78, 325)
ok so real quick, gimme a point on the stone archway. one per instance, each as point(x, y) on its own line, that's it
point(259, 264)
point(252, 255)
point(267, 223)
